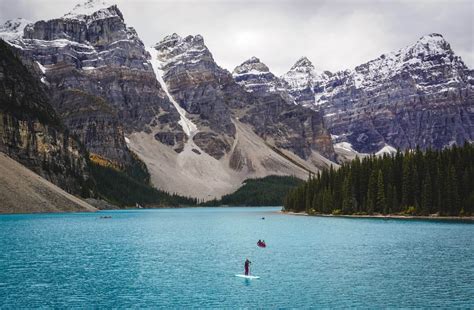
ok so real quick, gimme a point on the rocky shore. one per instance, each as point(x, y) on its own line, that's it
point(388, 216)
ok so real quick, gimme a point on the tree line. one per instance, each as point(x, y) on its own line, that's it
point(267, 191)
point(119, 188)
point(412, 182)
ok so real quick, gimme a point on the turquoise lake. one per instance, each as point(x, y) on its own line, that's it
point(175, 258)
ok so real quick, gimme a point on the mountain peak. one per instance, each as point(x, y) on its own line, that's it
point(303, 62)
point(174, 48)
point(251, 65)
point(256, 77)
point(196, 40)
point(432, 43)
point(199, 37)
point(432, 36)
point(174, 37)
point(90, 7)
point(252, 60)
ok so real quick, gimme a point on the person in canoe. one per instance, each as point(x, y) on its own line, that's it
point(247, 266)
point(261, 243)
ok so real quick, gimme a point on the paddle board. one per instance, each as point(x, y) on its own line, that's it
point(247, 277)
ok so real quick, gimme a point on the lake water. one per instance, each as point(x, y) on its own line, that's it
point(177, 258)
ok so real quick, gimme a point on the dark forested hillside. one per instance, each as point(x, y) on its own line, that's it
point(268, 191)
point(414, 182)
point(121, 189)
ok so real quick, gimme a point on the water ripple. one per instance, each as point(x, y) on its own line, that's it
point(188, 258)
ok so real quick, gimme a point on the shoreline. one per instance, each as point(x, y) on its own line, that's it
point(385, 217)
point(134, 208)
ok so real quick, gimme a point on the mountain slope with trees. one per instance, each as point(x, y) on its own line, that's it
point(268, 191)
point(412, 183)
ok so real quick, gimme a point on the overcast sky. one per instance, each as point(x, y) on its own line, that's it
point(334, 35)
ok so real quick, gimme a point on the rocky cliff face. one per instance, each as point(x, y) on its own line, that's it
point(276, 117)
point(258, 98)
point(199, 132)
point(421, 95)
point(201, 88)
point(99, 72)
point(30, 130)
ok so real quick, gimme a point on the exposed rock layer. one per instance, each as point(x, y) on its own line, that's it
point(204, 89)
point(30, 130)
point(421, 95)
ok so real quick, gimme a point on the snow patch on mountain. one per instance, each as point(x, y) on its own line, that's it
point(43, 73)
point(176, 50)
point(346, 151)
point(387, 149)
point(12, 31)
point(188, 126)
point(345, 146)
point(98, 8)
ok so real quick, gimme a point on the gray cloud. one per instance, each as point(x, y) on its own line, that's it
point(335, 35)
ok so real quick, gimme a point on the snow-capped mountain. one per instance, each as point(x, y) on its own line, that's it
point(199, 132)
point(202, 87)
point(255, 76)
point(421, 95)
point(99, 72)
point(202, 130)
point(303, 81)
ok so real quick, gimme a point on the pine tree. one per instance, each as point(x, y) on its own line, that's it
point(426, 195)
point(435, 181)
point(407, 186)
point(347, 205)
point(381, 202)
point(466, 204)
point(416, 188)
point(372, 193)
point(395, 201)
point(327, 201)
point(389, 199)
point(309, 196)
point(452, 192)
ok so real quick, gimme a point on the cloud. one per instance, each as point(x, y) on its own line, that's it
point(335, 35)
